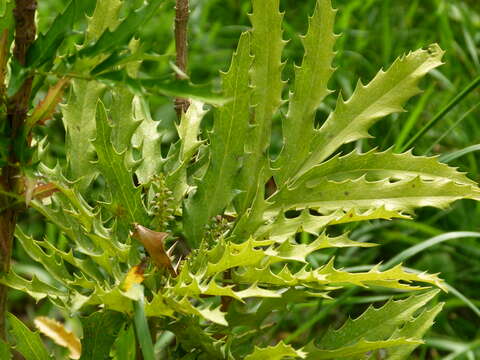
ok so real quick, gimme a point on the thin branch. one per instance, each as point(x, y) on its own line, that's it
point(17, 108)
point(181, 44)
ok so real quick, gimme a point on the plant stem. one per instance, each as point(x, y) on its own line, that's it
point(181, 30)
point(17, 107)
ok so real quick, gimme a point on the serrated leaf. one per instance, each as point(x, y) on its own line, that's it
point(228, 255)
point(327, 276)
point(105, 17)
point(125, 118)
point(288, 251)
point(61, 336)
point(45, 46)
point(277, 352)
point(99, 332)
point(180, 154)
point(216, 189)
point(184, 306)
point(126, 199)
point(34, 287)
point(384, 95)
point(326, 196)
point(309, 90)
point(28, 343)
point(55, 268)
point(376, 166)
point(148, 139)
point(362, 347)
point(376, 324)
point(389, 278)
point(415, 328)
point(267, 47)
point(79, 121)
point(282, 227)
point(122, 34)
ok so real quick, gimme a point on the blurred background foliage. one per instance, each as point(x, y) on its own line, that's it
point(374, 33)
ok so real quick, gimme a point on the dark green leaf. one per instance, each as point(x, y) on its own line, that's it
point(99, 332)
point(28, 342)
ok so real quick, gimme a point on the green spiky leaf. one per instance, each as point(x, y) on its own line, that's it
point(28, 343)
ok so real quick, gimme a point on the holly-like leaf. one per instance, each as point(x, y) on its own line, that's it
point(309, 90)
point(277, 352)
point(216, 189)
point(325, 196)
point(46, 45)
point(79, 121)
point(126, 198)
point(375, 324)
point(104, 18)
point(376, 166)
point(122, 33)
point(384, 95)
point(267, 47)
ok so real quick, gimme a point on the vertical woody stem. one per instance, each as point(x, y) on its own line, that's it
point(181, 44)
point(17, 107)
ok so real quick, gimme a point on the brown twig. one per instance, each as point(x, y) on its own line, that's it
point(181, 44)
point(17, 107)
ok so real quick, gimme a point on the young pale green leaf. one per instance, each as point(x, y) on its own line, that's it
point(192, 285)
point(267, 47)
point(180, 155)
point(99, 333)
point(28, 343)
point(327, 276)
point(189, 129)
point(79, 122)
point(125, 118)
point(148, 139)
point(227, 255)
point(377, 324)
point(384, 95)
point(359, 350)
point(326, 196)
point(310, 88)
point(126, 199)
point(54, 267)
point(288, 251)
point(105, 17)
point(277, 352)
point(415, 328)
point(283, 228)
point(376, 166)
point(34, 287)
point(216, 189)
